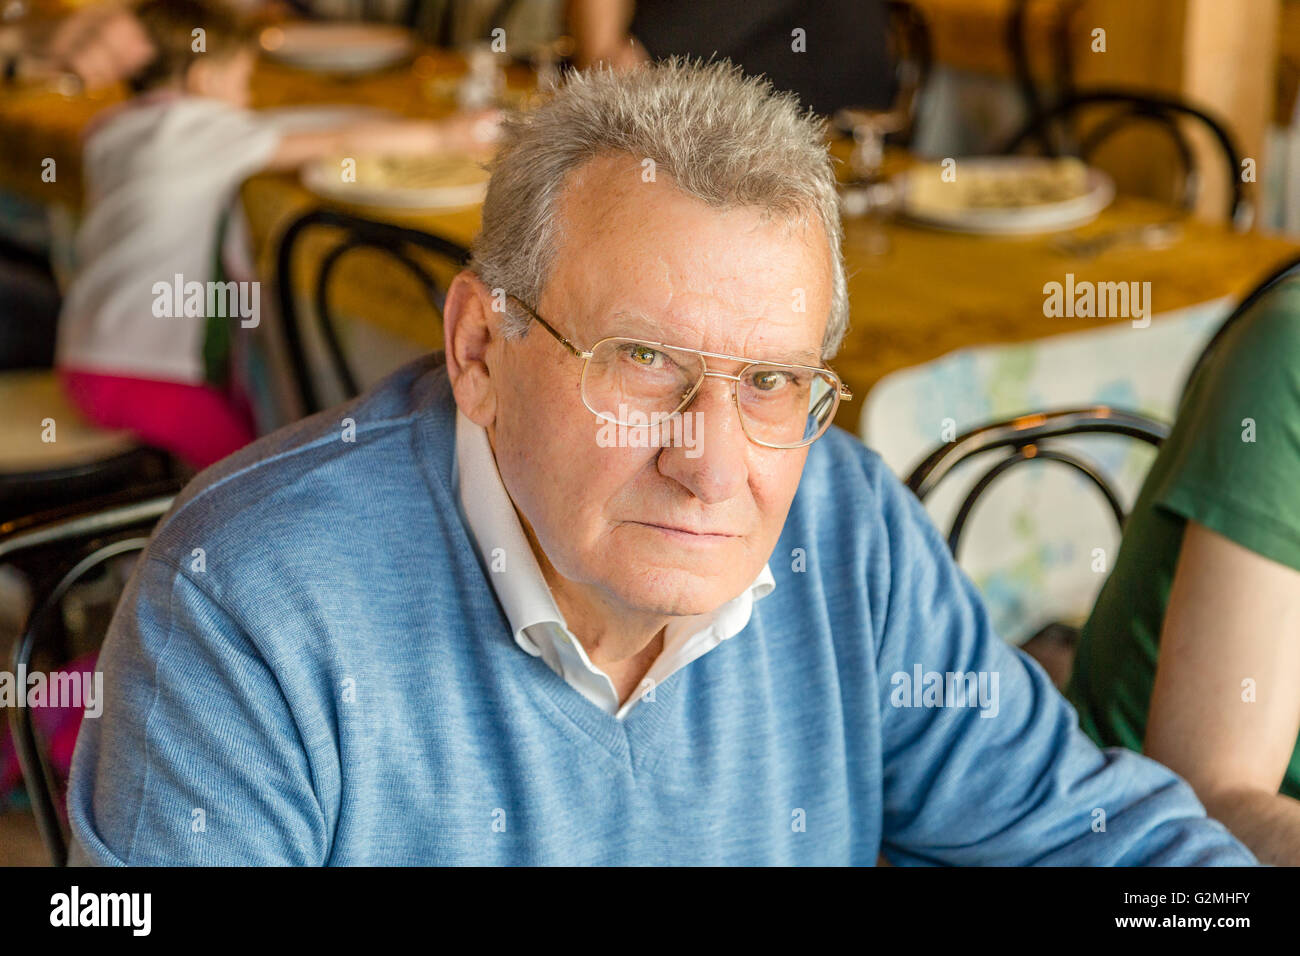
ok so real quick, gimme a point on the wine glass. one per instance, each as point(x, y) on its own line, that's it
point(868, 195)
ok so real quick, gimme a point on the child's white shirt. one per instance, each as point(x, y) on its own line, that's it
point(159, 176)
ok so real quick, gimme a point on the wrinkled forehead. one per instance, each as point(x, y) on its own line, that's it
point(635, 255)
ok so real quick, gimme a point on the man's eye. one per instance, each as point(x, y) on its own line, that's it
point(769, 380)
point(642, 355)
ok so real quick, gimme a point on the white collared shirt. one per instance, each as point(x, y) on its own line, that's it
point(539, 627)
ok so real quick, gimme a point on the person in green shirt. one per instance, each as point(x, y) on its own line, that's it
point(1192, 652)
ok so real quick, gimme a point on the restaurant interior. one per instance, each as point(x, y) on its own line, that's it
point(1054, 211)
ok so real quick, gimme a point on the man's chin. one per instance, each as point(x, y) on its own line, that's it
point(679, 592)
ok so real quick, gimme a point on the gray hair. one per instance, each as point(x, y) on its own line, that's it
point(725, 139)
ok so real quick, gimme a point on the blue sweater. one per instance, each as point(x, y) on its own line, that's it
point(310, 666)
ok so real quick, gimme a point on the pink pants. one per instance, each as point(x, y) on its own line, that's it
point(197, 423)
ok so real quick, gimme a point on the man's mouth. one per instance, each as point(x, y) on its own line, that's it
point(688, 533)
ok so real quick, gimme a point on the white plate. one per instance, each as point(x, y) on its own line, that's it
point(1097, 193)
point(337, 47)
point(463, 184)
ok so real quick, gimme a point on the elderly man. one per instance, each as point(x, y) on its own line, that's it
point(466, 619)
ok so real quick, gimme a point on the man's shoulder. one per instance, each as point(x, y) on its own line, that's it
point(382, 452)
point(842, 472)
point(853, 509)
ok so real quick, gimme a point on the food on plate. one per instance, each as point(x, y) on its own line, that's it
point(976, 184)
point(418, 172)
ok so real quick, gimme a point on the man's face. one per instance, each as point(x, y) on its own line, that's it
point(671, 530)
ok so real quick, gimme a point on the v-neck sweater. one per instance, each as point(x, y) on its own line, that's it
point(310, 666)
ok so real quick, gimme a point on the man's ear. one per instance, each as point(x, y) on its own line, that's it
point(470, 328)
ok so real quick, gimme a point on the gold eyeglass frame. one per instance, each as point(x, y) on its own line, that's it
point(840, 391)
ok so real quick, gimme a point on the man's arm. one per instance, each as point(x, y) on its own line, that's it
point(1225, 710)
point(197, 757)
point(1008, 778)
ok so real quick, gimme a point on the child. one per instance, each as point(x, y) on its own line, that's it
point(161, 171)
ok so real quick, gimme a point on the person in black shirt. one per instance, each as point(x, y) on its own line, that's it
point(840, 59)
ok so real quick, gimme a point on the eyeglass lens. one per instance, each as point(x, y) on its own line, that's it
point(633, 383)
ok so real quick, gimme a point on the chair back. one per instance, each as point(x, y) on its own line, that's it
point(1018, 22)
point(1024, 439)
point(401, 244)
point(74, 543)
point(1053, 124)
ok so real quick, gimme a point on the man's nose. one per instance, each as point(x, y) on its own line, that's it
point(711, 460)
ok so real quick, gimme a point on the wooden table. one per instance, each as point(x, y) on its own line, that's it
point(36, 124)
point(935, 292)
point(932, 292)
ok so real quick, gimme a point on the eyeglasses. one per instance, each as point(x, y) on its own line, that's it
point(636, 383)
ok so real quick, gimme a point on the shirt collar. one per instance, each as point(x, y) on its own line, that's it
point(490, 514)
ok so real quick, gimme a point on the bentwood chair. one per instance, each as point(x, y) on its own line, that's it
point(410, 248)
point(73, 545)
point(1061, 14)
point(1053, 129)
point(1032, 438)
